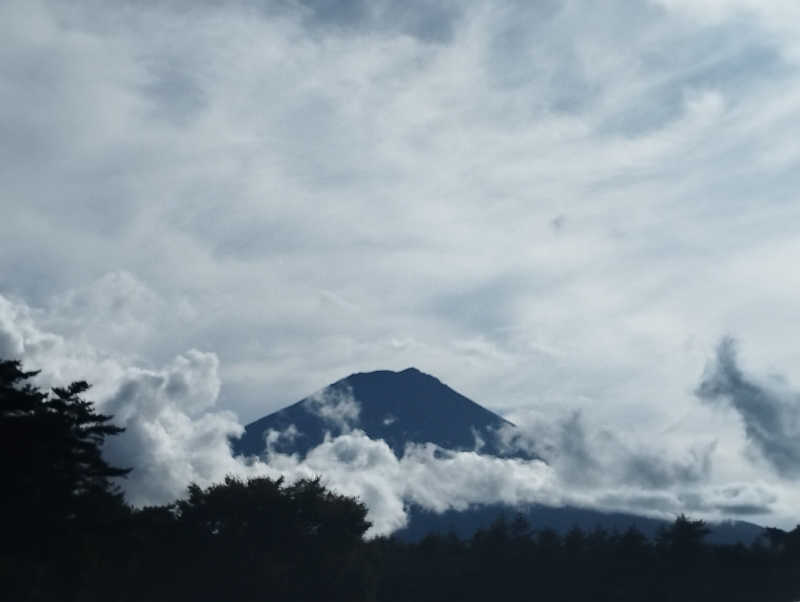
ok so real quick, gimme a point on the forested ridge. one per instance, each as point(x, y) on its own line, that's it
point(69, 535)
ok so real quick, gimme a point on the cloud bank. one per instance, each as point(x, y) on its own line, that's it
point(175, 435)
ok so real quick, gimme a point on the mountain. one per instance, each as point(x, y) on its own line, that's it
point(398, 407)
point(413, 407)
point(464, 523)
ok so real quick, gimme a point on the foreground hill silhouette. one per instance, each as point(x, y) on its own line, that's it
point(398, 407)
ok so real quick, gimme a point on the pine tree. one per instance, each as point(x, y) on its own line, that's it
point(54, 475)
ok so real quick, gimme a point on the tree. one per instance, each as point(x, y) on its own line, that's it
point(59, 500)
point(51, 464)
point(681, 546)
point(684, 535)
point(298, 541)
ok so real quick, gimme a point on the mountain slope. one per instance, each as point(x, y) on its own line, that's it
point(413, 407)
point(464, 523)
point(398, 407)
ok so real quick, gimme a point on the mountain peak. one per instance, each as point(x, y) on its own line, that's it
point(402, 408)
point(410, 371)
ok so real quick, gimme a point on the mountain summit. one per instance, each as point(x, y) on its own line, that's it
point(398, 407)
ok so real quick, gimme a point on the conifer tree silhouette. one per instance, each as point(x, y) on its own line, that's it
point(58, 489)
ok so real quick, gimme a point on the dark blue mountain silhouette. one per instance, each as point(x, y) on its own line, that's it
point(464, 523)
point(413, 407)
point(398, 407)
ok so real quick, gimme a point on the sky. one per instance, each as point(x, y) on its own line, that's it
point(581, 215)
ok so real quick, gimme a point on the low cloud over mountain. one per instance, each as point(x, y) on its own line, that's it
point(176, 434)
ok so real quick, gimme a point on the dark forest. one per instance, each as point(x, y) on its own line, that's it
point(69, 535)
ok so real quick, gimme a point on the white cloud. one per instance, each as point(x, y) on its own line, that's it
point(12, 340)
point(439, 480)
point(175, 434)
point(309, 194)
point(336, 406)
point(115, 310)
point(357, 465)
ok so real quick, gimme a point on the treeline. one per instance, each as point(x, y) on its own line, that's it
point(509, 559)
point(68, 535)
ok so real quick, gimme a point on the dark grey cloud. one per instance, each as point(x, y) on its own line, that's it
point(558, 222)
point(427, 20)
point(770, 413)
point(741, 500)
point(653, 470)
point(574, 452)
point(590, 456)
point(647, 502)
point(534, 48)
point(175, 93)
point(745, 509)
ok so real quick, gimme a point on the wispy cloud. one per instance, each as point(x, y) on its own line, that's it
point(335, 406)
point(558, 206)
point(769, 410)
